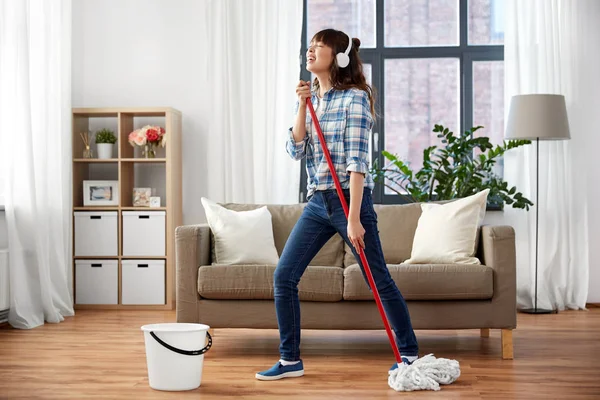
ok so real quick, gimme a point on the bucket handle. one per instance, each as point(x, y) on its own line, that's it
point(185, 352)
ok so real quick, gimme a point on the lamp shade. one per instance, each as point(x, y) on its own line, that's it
point(538, 116)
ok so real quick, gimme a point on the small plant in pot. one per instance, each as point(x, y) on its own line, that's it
point(105, 138)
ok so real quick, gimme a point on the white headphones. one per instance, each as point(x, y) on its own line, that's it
point(343, 59)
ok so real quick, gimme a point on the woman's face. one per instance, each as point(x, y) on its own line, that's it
point(318, 57)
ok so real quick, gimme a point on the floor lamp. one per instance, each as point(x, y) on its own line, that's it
point(537, 117)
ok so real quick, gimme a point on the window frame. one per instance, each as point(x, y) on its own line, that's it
point(465, 53)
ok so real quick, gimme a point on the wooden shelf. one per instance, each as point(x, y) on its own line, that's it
point(115, 111)
point(120, 257)
point(95, 113)
point(115, 160)
point(95, 160)
point(142, 257)
point(131, 170)
point(144, 160)
point(117, 208)
point(133, 307)
point(144, 208)
point(96, 208)
point(96, 257)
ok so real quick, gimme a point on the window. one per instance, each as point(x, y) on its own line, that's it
point(413, 105)
point(357, 16)
point(410, 23)
point(486, 22)
point(431, 61)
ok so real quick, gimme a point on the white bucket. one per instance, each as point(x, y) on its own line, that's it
point(175, 354)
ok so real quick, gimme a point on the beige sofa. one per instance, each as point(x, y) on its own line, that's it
point(333, 292)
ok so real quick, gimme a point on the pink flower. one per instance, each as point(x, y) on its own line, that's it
point(148, 134)
point(134, 138)
point(131, 137)
point(137, 137)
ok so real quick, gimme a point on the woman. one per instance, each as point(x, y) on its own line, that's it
point(343, 102)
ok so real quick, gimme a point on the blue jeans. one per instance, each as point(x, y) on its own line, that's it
point(322, 217)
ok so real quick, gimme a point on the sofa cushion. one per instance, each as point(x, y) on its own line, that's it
point(397, 225)
point(456, 242)
point(253, 282)
point(241, 237)
point(284, 217)
point(427, 282)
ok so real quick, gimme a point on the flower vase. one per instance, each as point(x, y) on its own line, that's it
point(149, 151)
point(87, 152)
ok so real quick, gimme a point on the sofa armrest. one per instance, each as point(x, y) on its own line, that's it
point(192, 249)
point(498, 252)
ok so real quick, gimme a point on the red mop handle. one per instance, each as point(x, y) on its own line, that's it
point(338, 187)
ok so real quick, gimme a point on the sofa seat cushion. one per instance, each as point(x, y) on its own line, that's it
point(427, 282)
point(255, 282)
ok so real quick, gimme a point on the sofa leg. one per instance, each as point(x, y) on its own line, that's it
point(485, 332)
point(507, 344)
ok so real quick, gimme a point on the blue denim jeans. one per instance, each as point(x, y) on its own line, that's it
point(323, 217)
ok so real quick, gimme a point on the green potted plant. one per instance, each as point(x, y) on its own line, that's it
point(452, 171)
point(105, 138)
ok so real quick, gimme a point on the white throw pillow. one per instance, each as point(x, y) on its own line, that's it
point(241, 237)
point(447, 233)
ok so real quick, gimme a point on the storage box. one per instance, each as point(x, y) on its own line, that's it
point(144, 233)
point(96, 233)
point(96, 282)
point(143, 282)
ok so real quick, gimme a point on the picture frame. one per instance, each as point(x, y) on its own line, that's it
point(100, 193)
point(141, 197)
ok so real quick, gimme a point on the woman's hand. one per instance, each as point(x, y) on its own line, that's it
point(356, 234)
point(303, 92)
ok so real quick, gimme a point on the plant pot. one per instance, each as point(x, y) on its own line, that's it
point(104, 150)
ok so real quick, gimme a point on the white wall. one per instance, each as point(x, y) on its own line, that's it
point(593, 196)
point(493, 218)
point(3, 231)
point(589, 92)
point(151, 53)
point(139, 53)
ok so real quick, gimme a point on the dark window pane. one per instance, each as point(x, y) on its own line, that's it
point(421, 23)
point(486, 22)
point(368, 71)
point(355, 17)
point(419, 93)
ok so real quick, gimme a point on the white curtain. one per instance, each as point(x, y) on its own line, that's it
point(253, 67)
point(35, 126)
point(549, 48)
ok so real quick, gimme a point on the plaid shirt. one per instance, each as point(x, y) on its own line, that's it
point(346, 122)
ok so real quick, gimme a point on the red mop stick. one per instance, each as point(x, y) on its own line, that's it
point(361, 253)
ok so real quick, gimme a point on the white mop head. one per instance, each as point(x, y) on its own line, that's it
point(426, 373)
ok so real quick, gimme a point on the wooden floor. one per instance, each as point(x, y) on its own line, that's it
point(101, 354)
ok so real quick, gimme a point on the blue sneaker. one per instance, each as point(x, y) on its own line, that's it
point(279, 371)
point(404, 361)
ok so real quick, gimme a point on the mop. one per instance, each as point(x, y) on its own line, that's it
point(425, 373)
